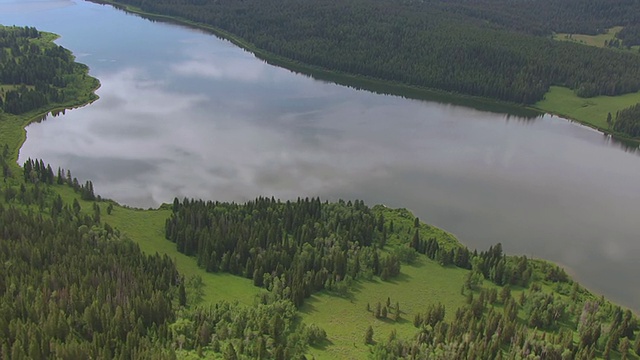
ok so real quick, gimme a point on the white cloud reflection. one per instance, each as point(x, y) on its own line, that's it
point(216, 64)
point(22, 6)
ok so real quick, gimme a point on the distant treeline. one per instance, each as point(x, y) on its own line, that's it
point(36, 71)
point(492, 48)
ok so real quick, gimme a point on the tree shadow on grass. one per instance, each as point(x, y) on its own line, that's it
point(323, 345)
point(309, 305)
point(401, 278)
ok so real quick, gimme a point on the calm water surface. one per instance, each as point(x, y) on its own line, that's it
point(182, 113)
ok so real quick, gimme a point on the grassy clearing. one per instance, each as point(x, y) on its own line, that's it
point(591, 40)
point(146, 228)
point(346, 319)
point(589, 111)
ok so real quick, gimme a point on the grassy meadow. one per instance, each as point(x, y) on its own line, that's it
point(346, 318)
point(591, 40)
point(589, 111)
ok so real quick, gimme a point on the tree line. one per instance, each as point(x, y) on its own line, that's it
point(630, 35)
point(307, 245)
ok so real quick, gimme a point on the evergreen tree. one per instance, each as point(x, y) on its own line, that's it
point(368, 336)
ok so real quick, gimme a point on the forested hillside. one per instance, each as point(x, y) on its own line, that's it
point(494, 48)
point(71, 288)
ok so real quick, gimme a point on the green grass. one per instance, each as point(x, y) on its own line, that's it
point(589, 111)
point(345, 319)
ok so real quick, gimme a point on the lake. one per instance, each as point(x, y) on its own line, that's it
point(183, 113)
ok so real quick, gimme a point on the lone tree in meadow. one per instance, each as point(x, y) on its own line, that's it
point(368, 336)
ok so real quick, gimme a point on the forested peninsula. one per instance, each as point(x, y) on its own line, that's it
point(492, 48)
point(83, 277)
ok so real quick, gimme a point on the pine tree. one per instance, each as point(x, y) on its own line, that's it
point(76, 206)
point(182, 295)
point(368, 336)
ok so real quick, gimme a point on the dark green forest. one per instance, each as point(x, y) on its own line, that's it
point(497, 49)
point(71, 289)
point(628, 120)
point(630, 35)
point(36, 75)
point(308, 244)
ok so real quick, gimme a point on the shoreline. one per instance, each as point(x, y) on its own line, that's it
point(623, 139)
point(40, 114)
point(375, 85)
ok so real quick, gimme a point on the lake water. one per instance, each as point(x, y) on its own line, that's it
point(182, 113)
